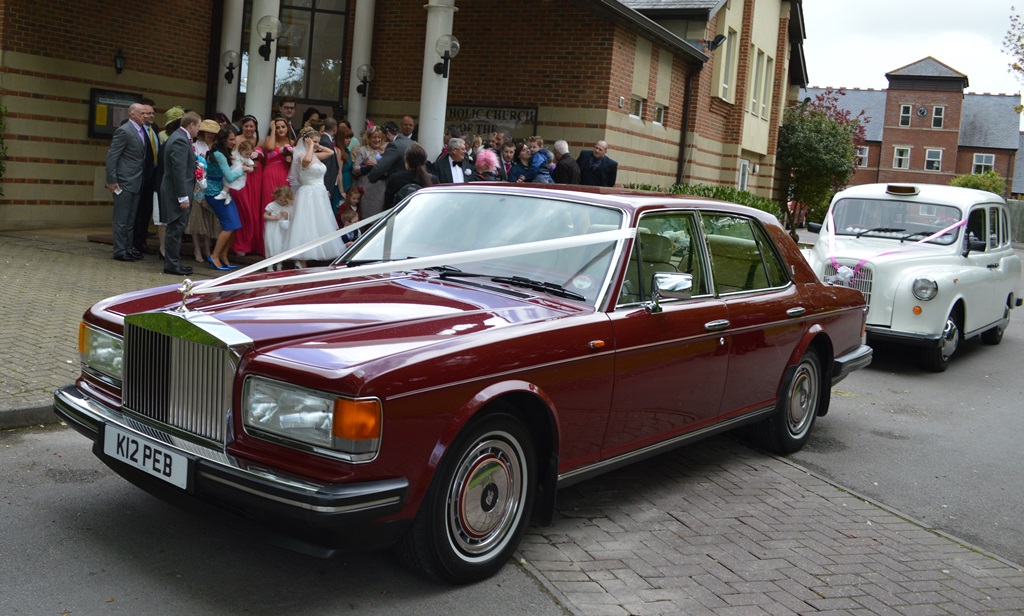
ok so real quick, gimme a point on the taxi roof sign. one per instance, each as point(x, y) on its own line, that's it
point(902, 189)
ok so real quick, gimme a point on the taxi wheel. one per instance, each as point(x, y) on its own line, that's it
point(478, 505)
point(995, 335)
point(937, 359)
point(787, 430)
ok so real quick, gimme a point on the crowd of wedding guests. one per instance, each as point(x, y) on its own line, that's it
point(260, 189)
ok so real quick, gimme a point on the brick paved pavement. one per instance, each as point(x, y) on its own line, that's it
point(716, 528)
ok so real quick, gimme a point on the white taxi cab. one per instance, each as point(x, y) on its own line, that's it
point(935, 263)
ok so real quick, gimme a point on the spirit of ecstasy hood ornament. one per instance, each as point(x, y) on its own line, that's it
point(186, 290)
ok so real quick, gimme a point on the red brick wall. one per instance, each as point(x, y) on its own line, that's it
point(153, 37)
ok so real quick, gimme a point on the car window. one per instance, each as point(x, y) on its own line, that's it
point(742, 257)
point(1006, 226)
point(976, 227)
point(995, 238)
point(665, 242)
point(897, 220)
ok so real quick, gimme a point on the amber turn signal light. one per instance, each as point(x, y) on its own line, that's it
point(357, 420)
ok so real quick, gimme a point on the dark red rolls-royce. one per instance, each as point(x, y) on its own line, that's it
point(479, 347)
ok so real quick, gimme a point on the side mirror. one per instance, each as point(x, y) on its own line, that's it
point(972, 244)
point(814, 227)
point(669, 285)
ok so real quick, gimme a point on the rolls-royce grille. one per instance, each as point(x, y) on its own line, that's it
point(180, 383)
point(861, 279)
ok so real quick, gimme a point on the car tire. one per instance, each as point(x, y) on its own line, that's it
point(995, 335)
point(937, 359)
point(478, 504)
point(789, 427)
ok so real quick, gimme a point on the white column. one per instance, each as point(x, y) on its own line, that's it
point(259, 86)
point(362, 44)
point(434, 90)
point(230, 37)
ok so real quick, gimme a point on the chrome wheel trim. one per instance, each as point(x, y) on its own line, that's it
point(802, 403)
point(950, 338)
point(486, 496)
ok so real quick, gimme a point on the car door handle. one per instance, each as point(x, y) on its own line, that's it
point(714, 326)
point(796, 312)
point(992, 266)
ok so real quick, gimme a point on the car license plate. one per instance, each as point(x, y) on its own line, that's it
point(146, 455)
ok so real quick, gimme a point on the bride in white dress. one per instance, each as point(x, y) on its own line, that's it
point(312, 216)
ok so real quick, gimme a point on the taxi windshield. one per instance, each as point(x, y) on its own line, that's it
point(436, 223)
point(896, 220)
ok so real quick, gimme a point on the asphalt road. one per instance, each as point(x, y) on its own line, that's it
point(944, 449)
point(85, 545)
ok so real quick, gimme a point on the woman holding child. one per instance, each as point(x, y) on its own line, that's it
point(218, 172)
point(249, 197)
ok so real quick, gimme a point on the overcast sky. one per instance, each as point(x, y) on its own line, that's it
point(854, 43)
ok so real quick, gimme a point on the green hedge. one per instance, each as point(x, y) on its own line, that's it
point(722, 193)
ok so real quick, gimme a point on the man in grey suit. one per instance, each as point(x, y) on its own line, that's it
point(178, 160)
point(393, 159)
point(126, 167)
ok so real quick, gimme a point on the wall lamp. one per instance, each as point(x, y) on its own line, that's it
point(268, 28)
point(447, 47)
point(119, 60)
point(231, 60)
point(715, 43)
point(365, 75)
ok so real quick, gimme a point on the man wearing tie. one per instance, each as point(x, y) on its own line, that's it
point(126, 166)
point(149, 187)
point(453, 167)
point(176, 189)
point(505, 161)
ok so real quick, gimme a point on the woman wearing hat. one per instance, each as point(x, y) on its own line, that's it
point(202, 223)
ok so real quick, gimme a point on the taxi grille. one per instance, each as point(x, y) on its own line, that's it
point(860, 281)
point(179, 383)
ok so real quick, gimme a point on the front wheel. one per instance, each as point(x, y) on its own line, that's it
point(477, 508)
point(937, 359)
point(787, 430)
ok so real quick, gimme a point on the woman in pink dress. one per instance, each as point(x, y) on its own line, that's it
point(277, 149)
point(249, 199)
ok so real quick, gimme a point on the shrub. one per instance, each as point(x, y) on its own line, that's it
point(722, 193)
point(990, 181)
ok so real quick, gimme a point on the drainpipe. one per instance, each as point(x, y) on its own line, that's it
point(686, 123)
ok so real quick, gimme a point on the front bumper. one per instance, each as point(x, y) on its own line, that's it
point(923, 341)
point(856, 359)
point(299, 514)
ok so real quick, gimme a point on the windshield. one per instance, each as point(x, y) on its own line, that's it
point(897, 220)
point(437, 222)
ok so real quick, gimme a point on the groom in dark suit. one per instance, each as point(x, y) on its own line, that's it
point(126, 168)
point(178, 161)
point(453, 166)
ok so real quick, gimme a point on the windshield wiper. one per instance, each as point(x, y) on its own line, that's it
point(880, 230)
point(536, 285)
point(916, 233)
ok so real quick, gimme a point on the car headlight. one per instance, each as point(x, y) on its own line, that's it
point(326, 422)
point(925, 288)
point(101, 352)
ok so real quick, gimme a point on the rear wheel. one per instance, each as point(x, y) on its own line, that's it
point(937, 359)
point(477, 508)
point(995, 335)
point(789, 427)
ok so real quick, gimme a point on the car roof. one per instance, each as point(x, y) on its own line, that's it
point(928, 193)
point(631, 200)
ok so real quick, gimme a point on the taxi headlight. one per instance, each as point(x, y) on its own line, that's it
point(101, 352)
point(324, 421)
point(925, 288)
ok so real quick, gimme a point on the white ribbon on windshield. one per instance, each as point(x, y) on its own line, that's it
point(222, 284)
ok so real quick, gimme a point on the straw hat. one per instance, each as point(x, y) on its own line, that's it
point(209, 126)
